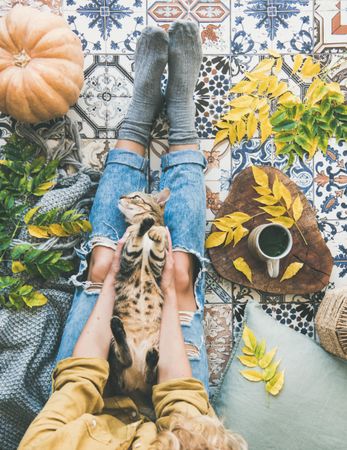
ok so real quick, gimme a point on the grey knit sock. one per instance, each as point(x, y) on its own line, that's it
point(150, 60)
point(185, 56)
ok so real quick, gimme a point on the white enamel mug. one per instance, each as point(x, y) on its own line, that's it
point(272, 262)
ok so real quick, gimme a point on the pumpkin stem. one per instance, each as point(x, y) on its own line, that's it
point(21, 59)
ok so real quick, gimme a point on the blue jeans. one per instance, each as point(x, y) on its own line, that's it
point(125, 172)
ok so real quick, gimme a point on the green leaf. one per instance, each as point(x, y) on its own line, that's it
point(286, 125)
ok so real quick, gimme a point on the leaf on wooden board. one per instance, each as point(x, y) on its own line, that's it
point(276, 383)
point(221, 226)
point(239, 217)
point(229, 238)
point(274, 211)
point(270, 371)
point(248, 351)
point(261, 190)
point(260, 177)
point(291, 270)
point(241, 265)
point(239, 233)
point(286, 195)
point(297, 208)
point(266, 200)
point(249, 338)
point(252, 375)
point(276, 188)
point(248, 361)
point(215, 239)
point(267, 358)
point(287, 222)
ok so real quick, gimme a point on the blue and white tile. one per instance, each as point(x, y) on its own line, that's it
point(218, 289)
point(261, 25)
point(218, 162)
point(335, 235)
point(330, 182)
point(251, 152)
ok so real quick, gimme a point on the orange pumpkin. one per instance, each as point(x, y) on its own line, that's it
point(41, 65)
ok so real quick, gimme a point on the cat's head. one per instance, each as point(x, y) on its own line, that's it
point(138, 206)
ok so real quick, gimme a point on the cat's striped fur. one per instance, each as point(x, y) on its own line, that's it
point(137, 312)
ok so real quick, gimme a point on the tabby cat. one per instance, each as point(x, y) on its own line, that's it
point(136, 317)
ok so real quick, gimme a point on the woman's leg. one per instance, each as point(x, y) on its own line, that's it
point(125, 171)
point(183, 175)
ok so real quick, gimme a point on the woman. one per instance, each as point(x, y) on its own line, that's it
point(76, 416)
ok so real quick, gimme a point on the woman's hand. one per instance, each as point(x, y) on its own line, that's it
point(115, 265)
point(168, 276)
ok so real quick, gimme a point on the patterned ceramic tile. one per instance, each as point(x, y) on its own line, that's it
point(93, 152)
point(218, 289)
point(330, 26)
point(336, 237)
point(251, 152)
point(330, 182)
point(213, 17)
point(54, 6)
point(218, 162)
point(260, 25)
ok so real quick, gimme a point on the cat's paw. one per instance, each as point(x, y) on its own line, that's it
point(157, 234)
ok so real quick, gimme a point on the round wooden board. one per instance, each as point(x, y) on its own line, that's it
point(316, 256)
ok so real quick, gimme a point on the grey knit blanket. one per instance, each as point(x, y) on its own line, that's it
point(29, 339)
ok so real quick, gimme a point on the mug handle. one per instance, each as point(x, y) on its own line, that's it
point(273, 267)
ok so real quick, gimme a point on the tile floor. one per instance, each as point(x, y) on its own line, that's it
point(235, 35)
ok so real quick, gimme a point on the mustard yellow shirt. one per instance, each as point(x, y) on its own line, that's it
point(77, 417)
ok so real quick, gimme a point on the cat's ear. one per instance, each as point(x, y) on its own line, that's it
point(162, 197)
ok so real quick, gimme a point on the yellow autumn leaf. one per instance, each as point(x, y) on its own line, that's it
point(276, 188)
point(274, 53)
point(265, 65)
point(267, 358)
point(251, 125)
point(281, 89)
point(286, 195)
point(241, 265)
point(275, 384)
point(298, 59)
point(260, 349)
point(222, 124)
point(221, 226)
point(263, 85)
point(266, 200)
point(317, 83)
point(225, 221)
point(215, 239)
point(240, 129)
point(270, 371)
point(261, 190)
point(37, 231)
point(239, 233)
point(291, 270)
point(220, 136)
point(251, 375)
point(260, 177)
point(249, 338)
point(279, 146)
point(57, 230)
point(244, 87)
point(232, 134)
point(248, 351)
point(237, 113)
point(297, 208)
point(238, 217)
point(229, 238)
point(28, 216)
point(309, 68)
point(273, 83)
point(256, 76)
point(18, 267)
point(278, 65)
point(312, 150)
point(36, 299)
point(265, 130)
point(244, 101)
point(287, 98)
point(45, 186)
point(248, 361)
point(287, 222)
point(274, 211)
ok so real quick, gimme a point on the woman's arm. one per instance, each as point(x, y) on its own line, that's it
point(173, 360)
point(95, 339)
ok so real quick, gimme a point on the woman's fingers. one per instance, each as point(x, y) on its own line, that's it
point(117, 254)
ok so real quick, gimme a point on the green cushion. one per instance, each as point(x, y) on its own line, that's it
point(310, 413)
